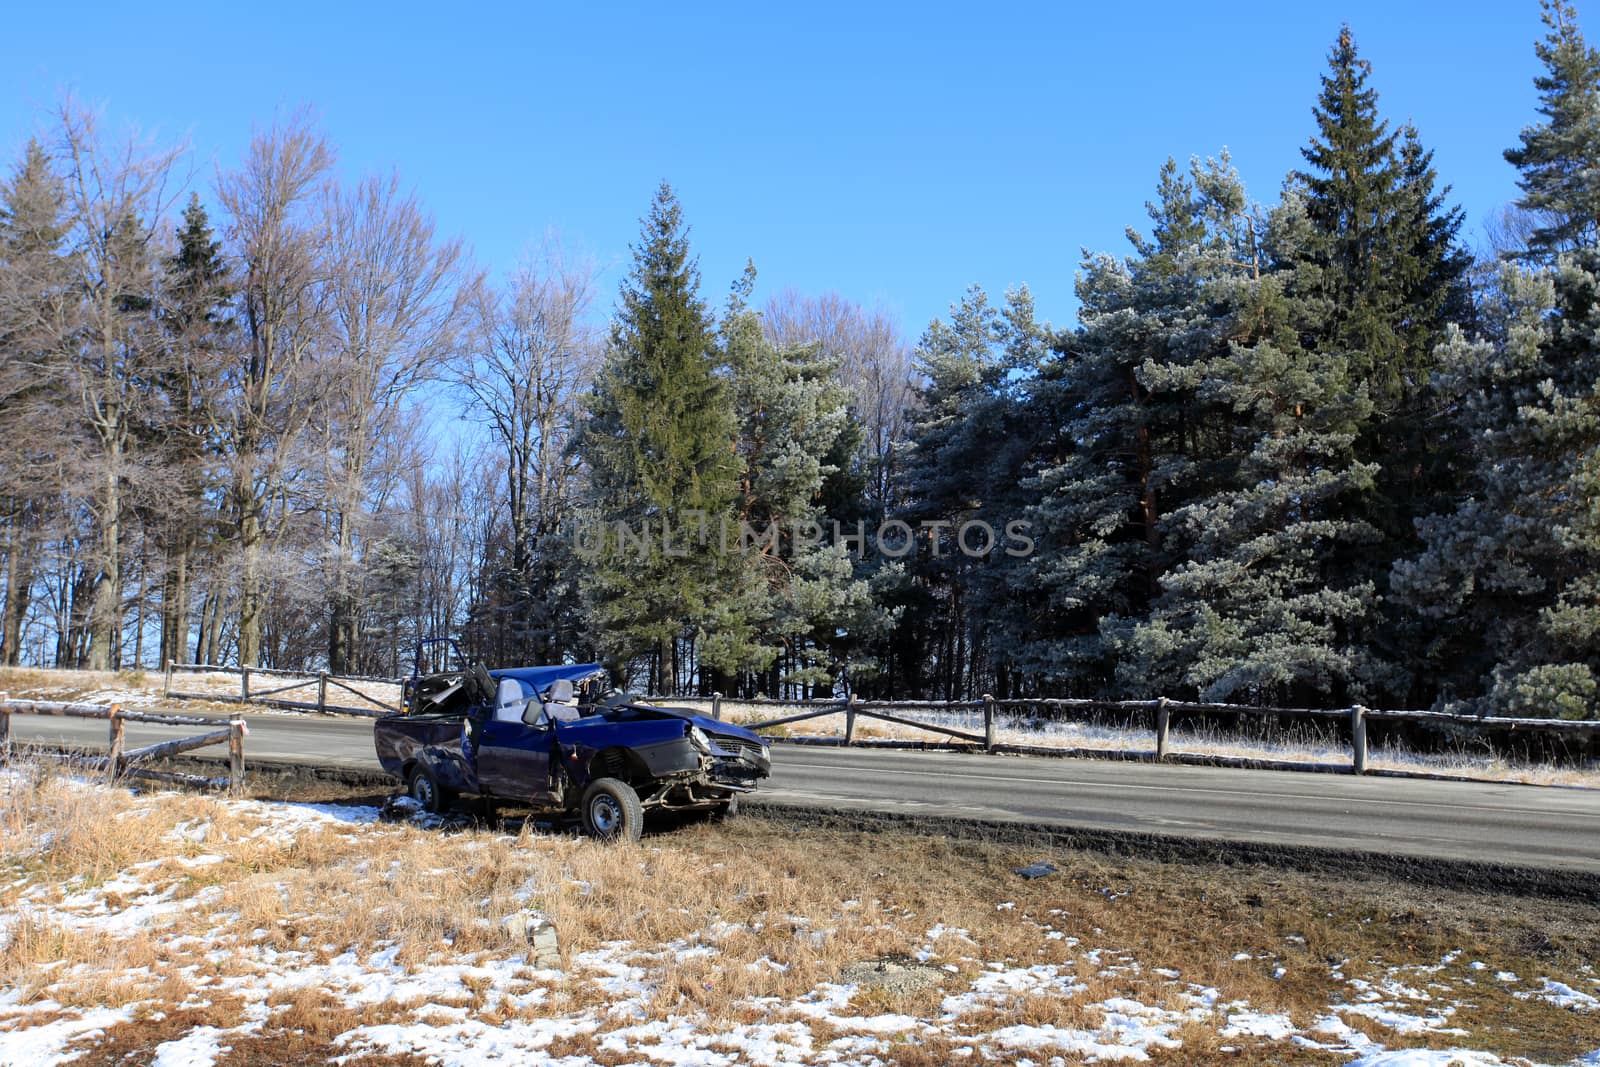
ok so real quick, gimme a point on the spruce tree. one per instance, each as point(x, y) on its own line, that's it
point(197, 329)
point(1559, 157)
point(37, 317)
point(1380, 271)
point(658, 443)
point(1376, 275)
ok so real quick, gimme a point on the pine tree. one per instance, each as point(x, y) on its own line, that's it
point(1261, 608)
point(943, 482)
point(962, 469)
point(1132, 437)
point(1559, 157)
point(796, 433)
point(658, 443)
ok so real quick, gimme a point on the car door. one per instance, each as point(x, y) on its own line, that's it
point(514, 760)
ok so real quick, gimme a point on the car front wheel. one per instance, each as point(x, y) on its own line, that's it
point(611, 811)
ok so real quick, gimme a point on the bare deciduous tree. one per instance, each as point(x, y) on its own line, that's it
point(271, 200)
point(533, 355)
point(395, 297)
point(116, 196)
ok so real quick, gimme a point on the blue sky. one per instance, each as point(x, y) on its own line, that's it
point(894, 153)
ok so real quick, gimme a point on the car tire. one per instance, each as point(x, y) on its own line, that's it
point(726, 810)
point(423, 786)
point(611, 811)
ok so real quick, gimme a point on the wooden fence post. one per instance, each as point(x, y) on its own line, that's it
point(1358, 738)
point(1163, 725)
point(236, 757)
point(244, 684)
point(988, 722)
point(5, 730)
point(322, 690)
point(166, 684)
point(716, 706)
point(850, 719)
point(114, 757)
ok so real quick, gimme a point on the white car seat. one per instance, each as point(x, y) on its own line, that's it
point(510, 700)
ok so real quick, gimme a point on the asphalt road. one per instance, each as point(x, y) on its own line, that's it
point(1525, 826)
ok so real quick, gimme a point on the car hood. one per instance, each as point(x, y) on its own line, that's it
point(710, 726)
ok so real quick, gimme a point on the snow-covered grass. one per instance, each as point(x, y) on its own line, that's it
point(196, 930)
point(1305, 745)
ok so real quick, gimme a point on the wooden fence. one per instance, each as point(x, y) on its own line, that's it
point(1159, 713)
point(273, 697)
point(121, 762)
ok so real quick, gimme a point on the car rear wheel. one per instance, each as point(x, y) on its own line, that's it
point(611, 811)
point(423, 787)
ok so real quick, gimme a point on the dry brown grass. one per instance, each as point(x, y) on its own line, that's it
point(717, 919)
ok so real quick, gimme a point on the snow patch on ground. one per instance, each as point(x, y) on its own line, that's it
point(46, 1044)
point(432, 1002)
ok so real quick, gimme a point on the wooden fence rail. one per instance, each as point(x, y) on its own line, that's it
point(118, 762)
point(1160, 712)
point(248, 694)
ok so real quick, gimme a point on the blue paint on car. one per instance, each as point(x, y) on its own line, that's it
point(545, 735)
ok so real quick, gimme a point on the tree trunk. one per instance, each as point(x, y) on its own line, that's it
point(19, 586)
point(105, 614)
point(175, 604)
point(202, 637)
point(342, 606)
point(214, 632)
point(250, 538)
point(663, 666)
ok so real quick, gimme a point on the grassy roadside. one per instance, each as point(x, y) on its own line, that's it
point(260, 931)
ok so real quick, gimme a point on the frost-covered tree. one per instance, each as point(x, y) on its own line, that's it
point(798, 440)
point(1128, 435)
point(1510, 578)
point(962, 470)
point(1261, 608)
point(38, 313)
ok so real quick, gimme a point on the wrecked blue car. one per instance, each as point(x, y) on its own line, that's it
point(558, 738)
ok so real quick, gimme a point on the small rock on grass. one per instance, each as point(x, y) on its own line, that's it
point(544, 947)
point(897, 976)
